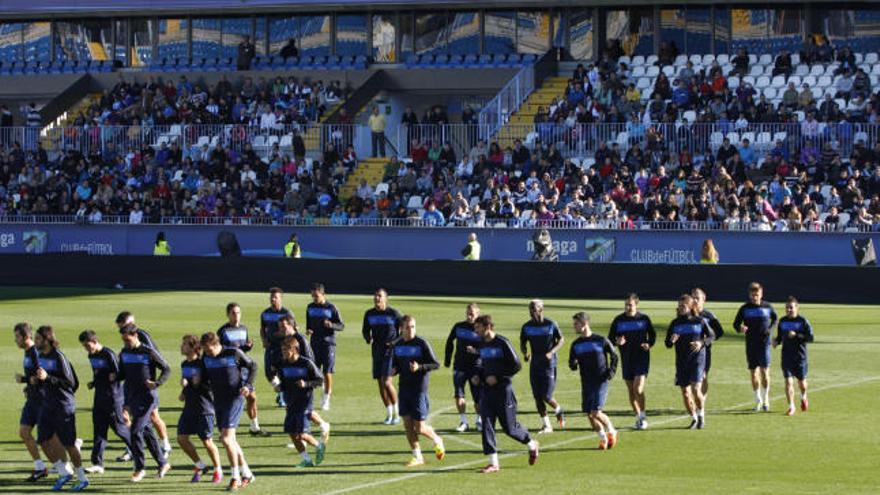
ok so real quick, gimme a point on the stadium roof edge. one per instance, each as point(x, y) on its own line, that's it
point(19, 9)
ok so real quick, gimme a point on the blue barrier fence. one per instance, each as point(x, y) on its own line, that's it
point(572, 245)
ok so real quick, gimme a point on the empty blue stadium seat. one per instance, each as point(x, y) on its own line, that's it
point(360, 62)
point(471, 61)
point(485, 60)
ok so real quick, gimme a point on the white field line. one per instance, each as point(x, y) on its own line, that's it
point(419, 474)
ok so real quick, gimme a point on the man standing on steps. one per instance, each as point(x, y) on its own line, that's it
point(377, 129)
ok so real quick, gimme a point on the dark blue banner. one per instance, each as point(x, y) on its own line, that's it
point(592, 246)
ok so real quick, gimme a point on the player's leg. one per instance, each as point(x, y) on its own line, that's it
point(764, 374)
point(754, 373)
point(161, 430)
point(391, 394)
point(328, 366)
point(539, 395)
point(551, 401)
point(688, 400)
point(458, 384)
point(214, 454)
point(227, 438)
point(101, 420)
point(789, 392)
point(412, 437)
point(25, 432)
point(66, 433)
point(513, 428)
point(190, 450)
point(803, 385)
point(487, 435)
point(699, 403)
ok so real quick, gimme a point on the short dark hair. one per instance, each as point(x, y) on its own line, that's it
point(485, 320)
point(192, 341)
point(318, 287)
point(232, 305)
point(123, 317)
point(793, 300)
point(24, 329)
point(209, 338)
point(290, 342)
point(755, 286)
point(632, 296)
point(581, 316)
point(275, 290)
point(288, 318)
point(128, 329)
point(88, 336)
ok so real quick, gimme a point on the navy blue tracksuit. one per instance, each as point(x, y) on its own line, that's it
point(33, 402)
point(57, 415)
point(413, 386)
point(298, 400)
point(794, 349)
point(637, 330)
point(597, 361)
point(759, 318)
point(498, 359)
point(689, 365)
point(323, 339)
point(541, 336)
point(272, 338)
point(226, 374)
point(107, 407)
point(136, 367)
point(380, 328)
point(717, 329)
point(197, 416)
point(464, 365)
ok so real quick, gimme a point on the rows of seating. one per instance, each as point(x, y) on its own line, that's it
point(470, 61)
point(57, 67)
point(821, 78)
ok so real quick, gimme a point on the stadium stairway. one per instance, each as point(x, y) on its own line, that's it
point(551, 88)
point(50, 136)
point(371, 169)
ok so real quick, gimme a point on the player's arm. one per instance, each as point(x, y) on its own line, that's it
point(807, 336)
point(264, 332)
point(512, 362)
point(651, 333)
point(244, 361)
point(612, 358)
point(66, 379)
point(738, 320)
point(669, 333)
point(450, 348)
point(523, 343)
point(779, 336)
point(162, 365)
point(248, 345)
point(429, 360)
point(336, 323)
point(558, 340)
point(316, 379)
point(773, 320)
point(716, 326)
point(115, 370)
point(366, 330)
point(708, 334)
point(572, 358)
point(612, 331)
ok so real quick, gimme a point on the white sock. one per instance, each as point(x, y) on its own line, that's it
point(791, 405)
point(436, 439)
point(642, 415)
point(327, 395)
point(255, 424)
point(396, 411)
point(462, 418)
point(493, 459)
point(558, 409)
point(390, 409)
point(81, 474)
point(236, 474)
point(219, 469)
point(533, 444)
point(246, 471)
point(767, 395)
point(200, 465)
point(478, 420)
point(165, 444)
point(804, 396)
point(39, 465)
point(759, 394)
point(305, 455)
point(546, 421)
point(62, 468)
point(701, 413)
point(601, 433)
point(417, 453)
point(324, 426)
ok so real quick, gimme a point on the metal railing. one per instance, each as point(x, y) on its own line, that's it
point(509, 99)
point(421, 222)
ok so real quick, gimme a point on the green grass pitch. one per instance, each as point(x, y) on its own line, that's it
point(833, 448)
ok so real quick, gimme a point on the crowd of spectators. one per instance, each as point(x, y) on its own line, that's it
point(802, 183)
point(265, 103)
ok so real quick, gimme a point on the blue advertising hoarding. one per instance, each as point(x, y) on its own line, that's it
point(572, 245)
